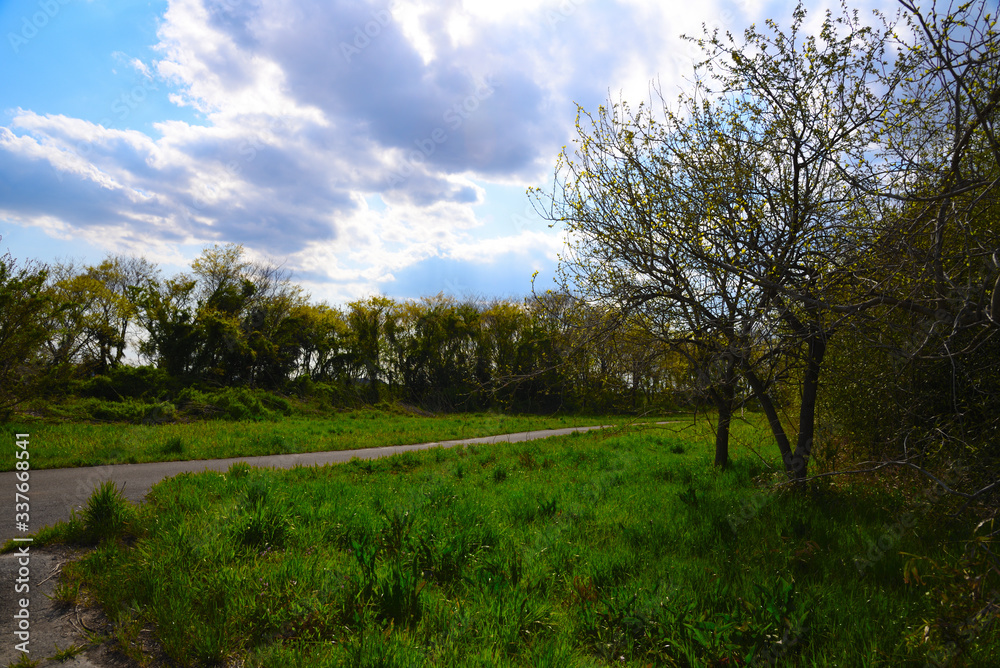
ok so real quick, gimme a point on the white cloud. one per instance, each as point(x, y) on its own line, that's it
point(429, 101)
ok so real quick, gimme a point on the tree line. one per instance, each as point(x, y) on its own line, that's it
point(234, 322)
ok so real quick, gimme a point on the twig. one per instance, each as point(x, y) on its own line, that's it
point(896, 463)
point(55, 571)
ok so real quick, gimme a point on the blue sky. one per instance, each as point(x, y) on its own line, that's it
point(371, 148)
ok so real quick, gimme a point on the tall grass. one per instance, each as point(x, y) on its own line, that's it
point(73, 444)
point(596, 549)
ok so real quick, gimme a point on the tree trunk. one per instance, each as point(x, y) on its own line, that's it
point(807, 411)
point(722, 433)
point(760, 392)
point(724, 396)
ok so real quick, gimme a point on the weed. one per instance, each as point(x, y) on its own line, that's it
point(444, 559)
point(398, 592)
point(689, 496)
point(173, 446)
point(23, 662)
point(65, 593)
point(664, 474)
point(66, 654)
point(107, 513)
point(67, 444)
point(527, 461)
point(239, 470)
point(262, 525)
point(548, 508)
point(610, 555)
point(396, 532)
point(256, 494)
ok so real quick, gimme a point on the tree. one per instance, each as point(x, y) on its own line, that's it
point(371, 320)
point(24, 311)
point(226, 324)
point(518, 345)
point(325, 343)
point(933, 273)
point(167, 314)
point(73, 331)
point(729, 221)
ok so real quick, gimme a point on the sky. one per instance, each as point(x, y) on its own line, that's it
point(368, 147)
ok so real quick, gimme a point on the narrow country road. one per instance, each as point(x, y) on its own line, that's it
point(54, 493)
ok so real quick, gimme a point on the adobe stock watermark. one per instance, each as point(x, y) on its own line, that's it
point(121, 108)
point(252, 145)
point(682, 58)
point(562, 13)
point(454, 117)
point(773, 654)
point(893, 533)
point(247, 151)
point(456, 287)
point(527, 219)
point(748, 509)
point(368, 31)
point(31, 26)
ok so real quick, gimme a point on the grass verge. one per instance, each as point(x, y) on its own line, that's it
point(62, 445)
point(593, 549)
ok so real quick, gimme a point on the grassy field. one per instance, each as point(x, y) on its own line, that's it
point(604, 549)
point(67, 444)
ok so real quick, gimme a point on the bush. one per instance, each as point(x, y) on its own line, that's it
point(160, 413)
point(98, 387)
point(128, 382)
point(240, 404)
point(234, 403)
point(275, 403)
point(129, 410)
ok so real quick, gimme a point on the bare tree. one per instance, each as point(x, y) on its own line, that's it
point(729, 217)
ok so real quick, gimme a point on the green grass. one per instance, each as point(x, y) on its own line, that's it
point(67, 654)
point(61, 445)
point(587, 550)
point(23, 662)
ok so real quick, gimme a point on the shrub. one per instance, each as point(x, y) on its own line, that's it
point(129, 410)
point(159, 413)
point(127, 382)
point(234, 403)
point(275, 403)
point(239, 404)
point(98, 387)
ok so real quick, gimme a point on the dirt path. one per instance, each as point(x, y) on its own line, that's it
point(54, 493)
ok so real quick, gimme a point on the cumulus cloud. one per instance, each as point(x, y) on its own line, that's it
point(310, 106)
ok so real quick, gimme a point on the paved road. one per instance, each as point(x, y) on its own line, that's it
point(54, 492)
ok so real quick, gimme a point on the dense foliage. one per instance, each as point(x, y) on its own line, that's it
point(121, 334)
